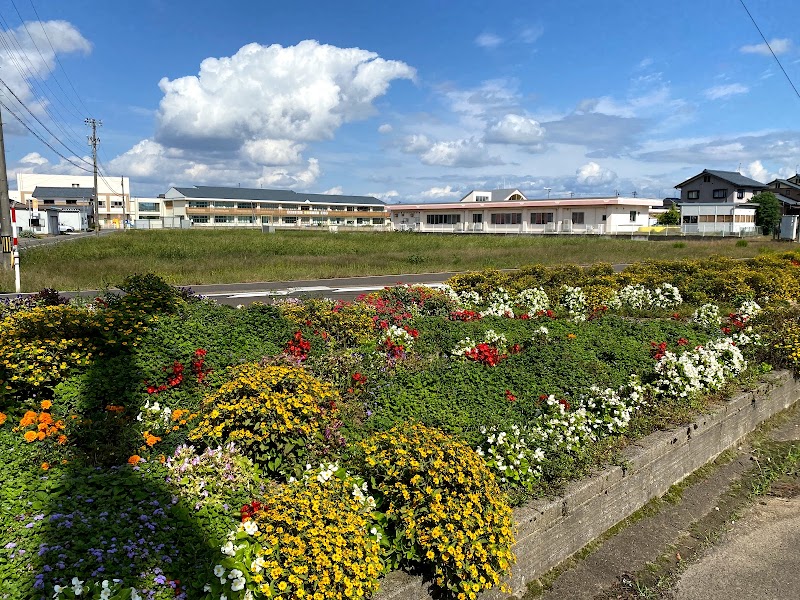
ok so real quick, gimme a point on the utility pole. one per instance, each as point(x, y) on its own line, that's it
point(93, 141)
point(5, 207)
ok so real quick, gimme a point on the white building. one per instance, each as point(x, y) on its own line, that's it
point(39, 192)
point(205, 206)
point(509, 211)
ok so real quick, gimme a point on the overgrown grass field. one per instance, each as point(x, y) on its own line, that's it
point(216, 256)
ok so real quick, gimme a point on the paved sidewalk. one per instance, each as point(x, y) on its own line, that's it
point(735, 549)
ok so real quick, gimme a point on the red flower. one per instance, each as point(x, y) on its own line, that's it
point(682, 341)
point(565, 404)
point(509, 396)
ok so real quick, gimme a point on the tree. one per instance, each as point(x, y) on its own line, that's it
point(671, 217)
point(768, 213)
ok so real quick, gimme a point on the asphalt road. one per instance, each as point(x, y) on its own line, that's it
point(346, 288)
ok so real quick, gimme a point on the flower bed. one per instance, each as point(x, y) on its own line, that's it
point(158, 445)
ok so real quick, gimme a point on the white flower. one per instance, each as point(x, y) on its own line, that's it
point(135, 595)
point(228, 549)
point(238, 584)
point(234, 574)
point(251, 527)
point(219, 571)
point(206, 588)
point(57, 589)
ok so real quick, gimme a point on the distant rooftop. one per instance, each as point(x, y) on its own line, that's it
point(237, 193)
point(733, 177)
point(79, 193)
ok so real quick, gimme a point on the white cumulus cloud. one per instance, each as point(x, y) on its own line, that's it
point(459, 153)
point(439, 192)
point(725, 91)
point(32, 49)
point(416, 143)
point(385, 128)
point(300, 93)
point(272, 152)
point(778, 45)
point(515, 129)
point(593, 174)
point(335, 191)
point(755, 170)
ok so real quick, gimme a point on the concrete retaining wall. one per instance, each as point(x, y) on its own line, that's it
point(549, 531)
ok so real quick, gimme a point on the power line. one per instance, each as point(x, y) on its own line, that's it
point(58, 60)
point(27, 72)
point(44, 62)
point(41, 139)
point(54, 136)
point(775, 56)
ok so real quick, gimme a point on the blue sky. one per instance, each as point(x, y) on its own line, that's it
point(408, 101)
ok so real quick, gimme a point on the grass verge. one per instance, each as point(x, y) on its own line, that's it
point(229, 256)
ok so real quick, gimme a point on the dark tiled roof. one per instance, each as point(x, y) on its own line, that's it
point(786, 183)
point(237, 193)
point(731, 177)
point(63, 192)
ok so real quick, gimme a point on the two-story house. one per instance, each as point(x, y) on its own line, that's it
point(788, 192)
point(716, 202)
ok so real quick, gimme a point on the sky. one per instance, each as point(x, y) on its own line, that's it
point(414, 101)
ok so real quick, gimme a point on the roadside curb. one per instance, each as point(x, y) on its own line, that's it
point(550, 531)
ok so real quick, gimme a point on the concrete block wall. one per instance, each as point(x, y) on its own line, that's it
point(550, 531)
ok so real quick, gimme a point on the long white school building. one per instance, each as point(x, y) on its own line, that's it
point(509, 211)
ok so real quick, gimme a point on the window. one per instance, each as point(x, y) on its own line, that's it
point(244, 205)
point(290, 220)
point(541, 218)
point(707, 219)
point(693, 194)
point(740, 194)
point(48, 201)
point(706, 178)
point(578, 218)
point(477, 217)
point(222, 204)
point(116, 203)
point(443, 219)
point(265, 220)
point(351, 209)
point(248, 219)
point(71, 201)
point(481, 198)
point(35, 222)
point(604, 218)
point(377, 221)
point(689, 219)
point(199, 218)
point(223, 219)
point(197, 204)
point(101, 203)
point(720, 194)
point(148, 206)
point(633, 214)
point(506, 218)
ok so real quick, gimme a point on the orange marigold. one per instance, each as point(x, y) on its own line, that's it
point(40, 436)
point(45, 466)
point(3, 418)
point(62, 439)
point(28, 418)
point(30, 436)
point(46, 404)
point(45, 417)
point(150, 439)
point(133, 460)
